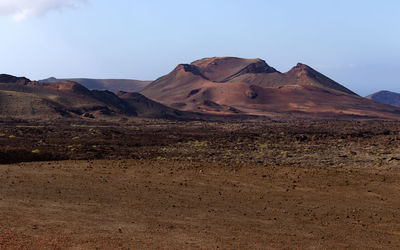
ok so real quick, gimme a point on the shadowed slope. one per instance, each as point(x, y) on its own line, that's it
point(145, 107)
point(386, 97)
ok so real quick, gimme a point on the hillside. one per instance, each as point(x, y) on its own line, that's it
point(386, 97)
point(112, 85)
point(22, 98)
point(228, 85)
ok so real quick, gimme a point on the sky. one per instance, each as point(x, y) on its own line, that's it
point(354, 42)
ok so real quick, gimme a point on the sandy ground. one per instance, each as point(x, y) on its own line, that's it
point(136, 204)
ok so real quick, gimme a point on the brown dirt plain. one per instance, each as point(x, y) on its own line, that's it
point(140, 184)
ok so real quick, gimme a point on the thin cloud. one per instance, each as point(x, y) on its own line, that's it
point(23, 9)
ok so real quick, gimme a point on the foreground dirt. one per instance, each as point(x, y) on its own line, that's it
point(230, 185)
point(165, 204)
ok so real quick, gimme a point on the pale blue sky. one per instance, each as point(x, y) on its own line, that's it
point(355, 42)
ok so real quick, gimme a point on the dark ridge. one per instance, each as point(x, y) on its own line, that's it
point(4, 78)
point(253, 68)
point(192, 69)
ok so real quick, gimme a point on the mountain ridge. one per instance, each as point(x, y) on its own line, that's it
point(22, 98)
point(209, 87)
point(231, 85)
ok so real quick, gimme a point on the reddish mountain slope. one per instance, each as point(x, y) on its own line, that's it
point(250, 86)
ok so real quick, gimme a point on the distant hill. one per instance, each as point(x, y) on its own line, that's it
point(112, 85)
point(22, 98)
point(386, 97)
point(229, 85)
